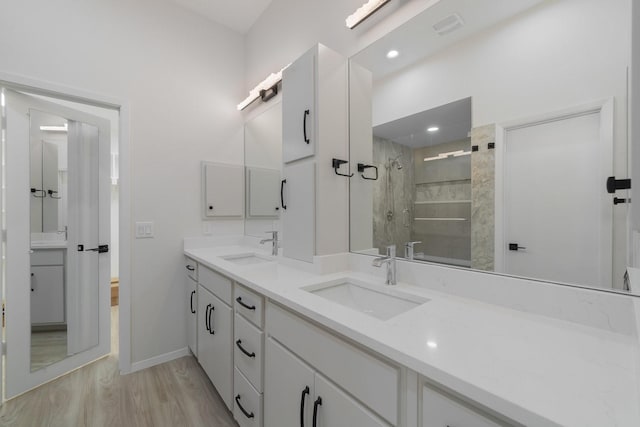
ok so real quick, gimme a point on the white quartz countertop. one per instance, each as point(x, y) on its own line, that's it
point(533, 369)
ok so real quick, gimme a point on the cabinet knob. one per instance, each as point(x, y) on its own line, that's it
point(210, 207)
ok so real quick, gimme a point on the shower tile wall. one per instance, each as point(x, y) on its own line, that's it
point(443, 204)
point(392, 195)
point(483, 198)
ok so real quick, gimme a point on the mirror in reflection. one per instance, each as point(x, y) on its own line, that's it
point(493, 142)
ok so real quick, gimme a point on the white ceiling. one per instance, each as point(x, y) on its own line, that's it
point(453, 121)
point(239, 15)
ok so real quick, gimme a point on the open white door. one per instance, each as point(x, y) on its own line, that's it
point(86, 271)
point(554, 189)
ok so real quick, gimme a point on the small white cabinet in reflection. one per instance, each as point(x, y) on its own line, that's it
point(222, 190)
point(263, 193)
point(47, 287)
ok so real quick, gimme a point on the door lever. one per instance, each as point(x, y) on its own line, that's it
point(100, 249)
point(515, 247)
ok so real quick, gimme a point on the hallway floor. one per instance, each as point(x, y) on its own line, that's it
point(177, 393)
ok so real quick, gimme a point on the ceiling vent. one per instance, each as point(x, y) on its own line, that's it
point(448, 24)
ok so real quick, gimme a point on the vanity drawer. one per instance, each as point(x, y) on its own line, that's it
point(441, 411)
point(247, 405)
point(191, 267)
point(249, 304)
point(374, 382)
point(248, 339)
point(216, 283)
point(47, 257)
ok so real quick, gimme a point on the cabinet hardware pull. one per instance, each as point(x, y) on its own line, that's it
point(206, 317)
point(282, 183)
point(317, 403)
point(246, 414)
point(302, 399)
point(304, 126)
point(191, 302)
point(211, 331)
point(190, 267)
point(242, 349)
point(248, 307)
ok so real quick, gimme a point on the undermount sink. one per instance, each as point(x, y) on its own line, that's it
point(249, 258)
point(374, 300)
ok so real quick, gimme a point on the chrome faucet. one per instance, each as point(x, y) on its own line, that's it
point(390, 260)
point(65, 231)
point(273, 240)
point(408, 250)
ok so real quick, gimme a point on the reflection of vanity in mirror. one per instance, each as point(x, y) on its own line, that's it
point(493, 154)
point(48, 205)
point(263, 166)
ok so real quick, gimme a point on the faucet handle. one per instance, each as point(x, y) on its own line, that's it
point(410, 244)
point(274, 233)
point(391, 251)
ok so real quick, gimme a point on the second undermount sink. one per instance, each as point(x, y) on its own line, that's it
point(374, 300)
point(248, 258)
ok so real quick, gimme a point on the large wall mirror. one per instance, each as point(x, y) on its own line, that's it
point(482, 135)
point(263, 169)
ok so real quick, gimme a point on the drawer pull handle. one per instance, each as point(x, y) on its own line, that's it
point(206, 318)
point(242, 349)
point(246, 414)
point(304, 126)
point(248, 307)
point(191, 302)
point(302, 399)
point(211, 331)
point(190, 267)
point(317, 403)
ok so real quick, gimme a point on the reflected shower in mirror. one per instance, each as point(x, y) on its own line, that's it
point(540, 124)
point(263, 166)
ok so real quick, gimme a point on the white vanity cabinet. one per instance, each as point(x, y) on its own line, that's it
point(191, 289)
point(308, 370)
point(248, 357)
point(439, 410)
point(215, 331)
point(315, 131)
point(47, 287)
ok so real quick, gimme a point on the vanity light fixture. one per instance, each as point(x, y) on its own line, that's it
point(266, 89)
point(364, 11)
point(457, 153)
point(63, 128)
point(433, 129)
point(392, 54)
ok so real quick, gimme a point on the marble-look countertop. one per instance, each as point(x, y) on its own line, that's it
point(536, 370)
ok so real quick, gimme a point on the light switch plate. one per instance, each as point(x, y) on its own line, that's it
point(144, 230)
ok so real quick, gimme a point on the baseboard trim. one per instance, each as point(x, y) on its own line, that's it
point(157, 360)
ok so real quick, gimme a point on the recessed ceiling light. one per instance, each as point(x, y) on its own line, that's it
point(433, 129)
point(392, 54)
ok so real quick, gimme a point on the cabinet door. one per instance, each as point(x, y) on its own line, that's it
point(223, 190)
point(192, 314)
point(215, 351)
point(298, 108)
point(440, 411)
point(47, 294)
point(332, 407)
point(288, 388)
point(298, 219)
point(263, 198)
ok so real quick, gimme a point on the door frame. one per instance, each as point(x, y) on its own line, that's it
point(38, 87)
point(605, 107)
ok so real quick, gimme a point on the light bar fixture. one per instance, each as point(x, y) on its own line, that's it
point(63, 128)
point(457, 153)
point(365, 11)
point(266, 89)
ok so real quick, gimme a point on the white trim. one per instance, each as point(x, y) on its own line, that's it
point(158, 360)
point(78, 95)
point(605, 107)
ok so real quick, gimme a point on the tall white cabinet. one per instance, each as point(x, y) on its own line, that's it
point(315, 201)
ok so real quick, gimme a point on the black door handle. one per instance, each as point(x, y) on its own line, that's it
point(101, 249)
point(206, 317)
point(302, 399)
point(614, 184)
point(317, 403)
point(242, 349)
point(211, 331)
point(282, 183)
point(190, 267)
point(191, 302)
point(246, 414)
point(248, 307)
point(304, 126)
point(515, 247)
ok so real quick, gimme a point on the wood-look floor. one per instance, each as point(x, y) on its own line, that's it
point(174, 394)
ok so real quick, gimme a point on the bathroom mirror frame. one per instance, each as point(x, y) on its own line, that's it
point(430, 17)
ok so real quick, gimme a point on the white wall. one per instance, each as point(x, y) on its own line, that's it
point(182, 77)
